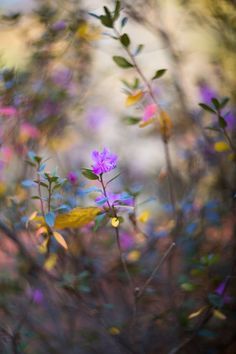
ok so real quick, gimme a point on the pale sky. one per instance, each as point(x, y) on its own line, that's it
point(16, 5)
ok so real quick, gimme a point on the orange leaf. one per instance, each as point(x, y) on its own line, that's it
point(165, 125)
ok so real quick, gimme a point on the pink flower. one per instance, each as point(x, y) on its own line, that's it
point(28, 131)
point(7, 153)
point(103, 161)
point(8, 111)
point(149, 114)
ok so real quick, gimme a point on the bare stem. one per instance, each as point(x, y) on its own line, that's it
point(155, 270)
point(49, 195)
point(164, 140)
point(228, 139)
point(40, 195)
point(170, 178)
point(117, 232)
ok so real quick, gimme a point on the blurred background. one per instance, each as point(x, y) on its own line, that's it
point(62, 96)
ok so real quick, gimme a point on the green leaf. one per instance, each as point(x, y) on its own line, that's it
point(94, 15)
point(213, 128)
point(131, 120)
point(124, 39)
point(86, 172)
point(38, 159)
point(224, 102)
point(187, 287)
point(106, 21)
point(122, 62)
point(41, 183)
point(216, 103)
point(100, 220)
point(124, 21)
point(159, 73)
point(215, 300)
point(207, 108)
point(107, 11)
point(136, 83)
point(139, 49)
point(117, 10)
point(222, 122)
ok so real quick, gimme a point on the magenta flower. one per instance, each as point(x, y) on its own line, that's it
point(104, 161)
point(72, 177)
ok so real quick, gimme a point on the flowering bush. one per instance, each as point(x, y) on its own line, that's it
point(95, 256)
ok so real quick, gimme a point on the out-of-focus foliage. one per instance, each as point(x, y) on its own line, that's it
point(96, 255)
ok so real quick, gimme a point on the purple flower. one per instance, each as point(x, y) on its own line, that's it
point(126, 241)
point(37, 296)
point(117, 199)
point(62, 77)
point(206, 93)
point(72, 177)
point(231, 120)
point(103, 161)
point(95, 117)
point(59, 26)
point(221, 288)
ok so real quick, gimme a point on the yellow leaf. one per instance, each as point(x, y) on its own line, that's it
point(114, 331)
point(197, 313)
point(165, 124)
point(33, 215)
point(115, 222)
point(133, 98)
point(50, 262)
point(3, 188)
point(43, 247)
point(133, 256)
point(221, 146)
point(60, 239)
point(76, 217)
point(218, 314)
point(147, 122)
point(144, 216)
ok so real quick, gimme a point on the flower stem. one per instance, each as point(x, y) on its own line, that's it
point(164, 139)
point(117, 231)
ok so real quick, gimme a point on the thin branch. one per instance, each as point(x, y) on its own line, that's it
point(155, 270)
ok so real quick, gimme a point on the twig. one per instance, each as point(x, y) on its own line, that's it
point(155, 270)
point(117, 233)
